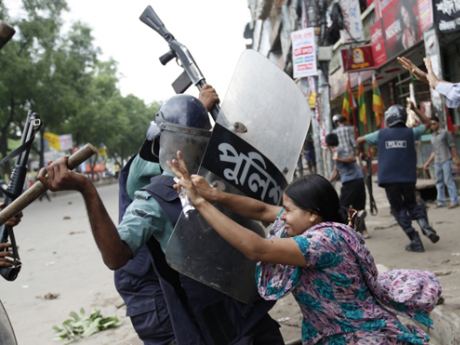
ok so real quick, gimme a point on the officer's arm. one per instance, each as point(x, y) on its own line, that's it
point(242, 205)
point(57, 176)
point(360, 140)
point(370, 138)
point(114, 251)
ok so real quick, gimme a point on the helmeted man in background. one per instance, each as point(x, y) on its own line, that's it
point(397, 172)
point(345, 133)
point(198, 313)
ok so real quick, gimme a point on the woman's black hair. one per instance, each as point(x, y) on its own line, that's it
point(315, 193)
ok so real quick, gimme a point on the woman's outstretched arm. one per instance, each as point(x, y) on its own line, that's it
point(254, 247)
point(240, 204)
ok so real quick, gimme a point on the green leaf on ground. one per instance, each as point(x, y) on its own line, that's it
point(80, 325)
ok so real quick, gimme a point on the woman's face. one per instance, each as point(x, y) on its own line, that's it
point(405, 16)
point(297, 220)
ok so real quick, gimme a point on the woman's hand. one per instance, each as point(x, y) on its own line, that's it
point(179, 168)
point(202, 186)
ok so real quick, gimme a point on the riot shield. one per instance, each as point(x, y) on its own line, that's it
point(7, 336)
point(253, 151)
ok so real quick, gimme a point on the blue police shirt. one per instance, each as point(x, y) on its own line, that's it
point(143, 219)
point(373, 138)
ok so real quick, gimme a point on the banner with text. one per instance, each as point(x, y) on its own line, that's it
point(447, 15)
point(304, 53)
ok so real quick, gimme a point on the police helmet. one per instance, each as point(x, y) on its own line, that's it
point(179, 112)
point(396, 114)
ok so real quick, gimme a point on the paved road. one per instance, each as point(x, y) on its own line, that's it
point(59, 256)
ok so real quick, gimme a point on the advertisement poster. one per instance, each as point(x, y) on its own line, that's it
point(404, 23)
point(378, 44)
point(304, 53)
point(352, 20)
point(447, 14)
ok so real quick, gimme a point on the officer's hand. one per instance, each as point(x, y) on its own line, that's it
point(412, 69)
point(6, 256)
point(208, 96)
point(57, 176)
point(179, 168)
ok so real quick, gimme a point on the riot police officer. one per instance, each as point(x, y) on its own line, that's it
point(397, 163)
point(198, 314)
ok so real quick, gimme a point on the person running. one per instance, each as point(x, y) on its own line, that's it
point(397, 173)
point(353, 190)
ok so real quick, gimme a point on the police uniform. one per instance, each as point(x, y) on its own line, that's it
point(199, 314)
point(137, 282)
point(397, 174)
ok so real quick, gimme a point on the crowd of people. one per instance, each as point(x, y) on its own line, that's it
point(312, 250)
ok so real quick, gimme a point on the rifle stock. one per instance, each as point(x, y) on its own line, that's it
point(150, 18)
point(191, 74)
point(38, 188)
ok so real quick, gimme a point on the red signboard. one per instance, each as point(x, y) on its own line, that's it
point(357, 58)
point(404, 22)
point(378, 44)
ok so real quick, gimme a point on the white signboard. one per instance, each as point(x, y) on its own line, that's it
point(352, 21)
point(304, 53)
point(66, 142)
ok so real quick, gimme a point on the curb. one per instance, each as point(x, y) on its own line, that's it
point(446, 324)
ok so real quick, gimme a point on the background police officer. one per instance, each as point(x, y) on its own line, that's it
point(397, 172)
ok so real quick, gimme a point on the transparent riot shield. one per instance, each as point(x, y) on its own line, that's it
point(253, 151)
point(7, 336)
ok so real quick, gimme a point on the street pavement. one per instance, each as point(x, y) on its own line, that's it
point(59, 257)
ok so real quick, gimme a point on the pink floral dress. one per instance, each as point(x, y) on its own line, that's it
point(342, 298)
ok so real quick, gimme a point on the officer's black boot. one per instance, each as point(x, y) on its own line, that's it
point(427, 230)
point(415, 244)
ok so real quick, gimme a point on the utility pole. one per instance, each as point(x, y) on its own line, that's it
point(315, 16)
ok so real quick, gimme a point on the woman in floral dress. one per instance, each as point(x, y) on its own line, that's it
point(322, 262)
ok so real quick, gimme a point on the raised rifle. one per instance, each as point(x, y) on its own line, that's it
point(15, 188)
point(191, 74)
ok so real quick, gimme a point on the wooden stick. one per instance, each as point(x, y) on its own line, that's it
point(38, 188)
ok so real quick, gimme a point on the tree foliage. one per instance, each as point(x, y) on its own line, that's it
point(61, 76)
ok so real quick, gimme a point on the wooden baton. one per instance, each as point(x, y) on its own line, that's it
point(38, 188)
